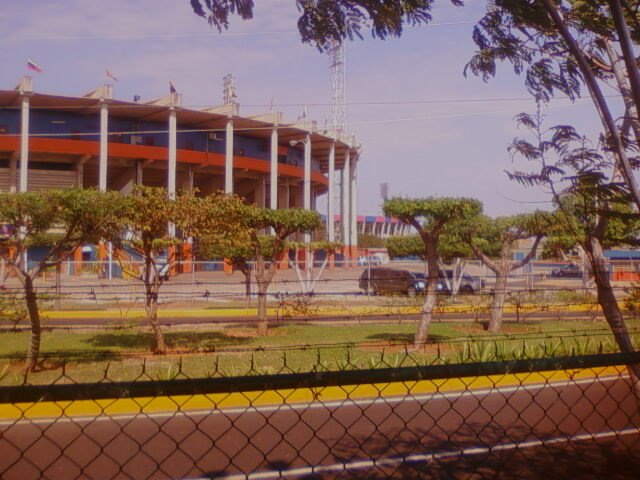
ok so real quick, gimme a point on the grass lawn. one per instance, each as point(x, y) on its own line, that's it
point(124, 354)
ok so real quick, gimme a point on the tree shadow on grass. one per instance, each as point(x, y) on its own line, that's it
point(181, 341)
point(402, 338)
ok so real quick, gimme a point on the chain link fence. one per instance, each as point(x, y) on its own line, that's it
point(573, 416)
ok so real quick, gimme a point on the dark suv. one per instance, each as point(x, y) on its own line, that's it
point(391, 280)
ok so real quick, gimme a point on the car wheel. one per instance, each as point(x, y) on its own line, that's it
point(467, 290)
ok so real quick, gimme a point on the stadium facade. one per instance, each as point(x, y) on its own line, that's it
point(94, 140)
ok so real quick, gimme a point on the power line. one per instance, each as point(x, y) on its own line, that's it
point(320, 104)
point(129, 36)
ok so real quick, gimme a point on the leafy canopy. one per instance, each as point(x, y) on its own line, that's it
point(58, 219)
point(431, 214)
point(323, 22)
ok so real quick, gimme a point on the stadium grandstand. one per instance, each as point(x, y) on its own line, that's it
point(94, 140)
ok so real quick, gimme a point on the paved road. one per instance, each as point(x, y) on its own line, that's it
point(588, 426)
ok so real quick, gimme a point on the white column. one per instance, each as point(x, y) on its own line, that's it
point(13, 170)
point(353, 201)
point(228, 162)
point(346, 209)
point(306, 192)
point(331, 233)
point(24, 143)
point(273, 188)
point(172, 163)
point(306, 201)
point(104, 141)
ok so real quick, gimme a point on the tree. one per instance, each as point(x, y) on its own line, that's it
point(223, 234)
point(490, 237)
point(452, 249)
point(311, 273)
point(269, 249)
point(60, 221)
point(560, 46)
point(588, 201)
point(322, 23)
point(429, 217)
point(145, 221)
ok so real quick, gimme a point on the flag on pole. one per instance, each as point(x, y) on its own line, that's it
point(31, 65)
point(112, 75)
point(271, 105)
point(172, 87)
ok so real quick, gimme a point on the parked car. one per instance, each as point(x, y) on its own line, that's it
point(373, 260)
point(391, 280)
point(571, 270)
point(441, 287)
point(469, 283)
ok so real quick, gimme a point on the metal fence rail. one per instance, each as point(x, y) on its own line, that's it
point(570, 416)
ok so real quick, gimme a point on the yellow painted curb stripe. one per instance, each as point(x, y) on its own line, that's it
point(136, 314)
point(182, 403)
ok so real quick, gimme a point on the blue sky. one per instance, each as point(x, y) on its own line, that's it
point(421, 148)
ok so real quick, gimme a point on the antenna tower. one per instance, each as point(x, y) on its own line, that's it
point(337, 67)
point(338, 70)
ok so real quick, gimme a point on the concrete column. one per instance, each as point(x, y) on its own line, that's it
point(261, 192)
point(307, 174)
point(80, 171)
point(104, 142)
point(353, 204)
point(273, 174)
point(345, 196)
point(187, 179)
point(228, 161)
point(13, 170)
point(139, 179)
point(331, 232)
point(172, 161)
point(24, 142)
point(283, 196)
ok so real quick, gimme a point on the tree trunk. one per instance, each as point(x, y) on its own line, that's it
point(246, 271)
point(151, 308)
point(611, 309)
point(34, 317)
point(262, 309)
point(499, 296)
point(430, 297)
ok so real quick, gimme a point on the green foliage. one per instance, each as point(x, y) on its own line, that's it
point(366, 240)
point(59, 220)
point(283, 222)
point(322, 22)
point(405, 246)
point(432, 213)
point(13, 309)
point(632, 300)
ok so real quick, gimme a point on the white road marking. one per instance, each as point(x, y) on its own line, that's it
point(314, 405)
point(425, 457)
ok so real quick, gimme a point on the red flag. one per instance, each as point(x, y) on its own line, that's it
point(31, 65)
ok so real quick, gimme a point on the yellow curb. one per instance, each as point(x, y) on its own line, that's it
point(320, 311)
point(186, 403)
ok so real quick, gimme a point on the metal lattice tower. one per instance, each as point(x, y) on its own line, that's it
point(338, 69)
point(337, 66)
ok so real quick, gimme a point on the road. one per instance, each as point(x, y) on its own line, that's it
point(589, 426)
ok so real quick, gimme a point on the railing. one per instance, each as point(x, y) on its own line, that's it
point(513, 419)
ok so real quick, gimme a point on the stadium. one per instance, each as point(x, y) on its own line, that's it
point(94, 140)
